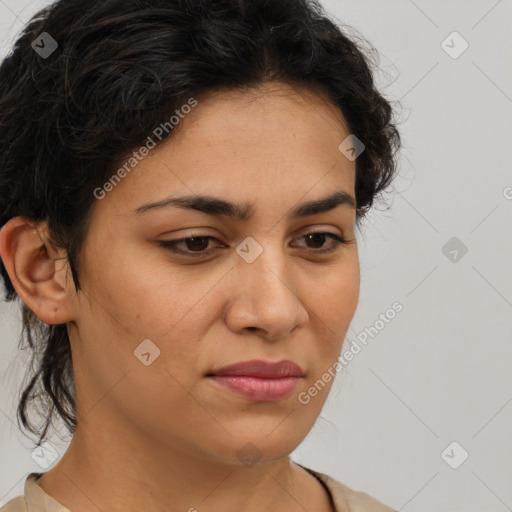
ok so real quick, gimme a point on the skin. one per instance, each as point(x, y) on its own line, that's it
point(163, 436)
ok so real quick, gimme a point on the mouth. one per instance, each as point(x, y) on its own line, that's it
point(259, 380)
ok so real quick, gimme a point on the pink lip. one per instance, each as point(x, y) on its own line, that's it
point(259, 380)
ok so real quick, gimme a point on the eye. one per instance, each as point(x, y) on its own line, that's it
point(197, 246)
point(320, 237)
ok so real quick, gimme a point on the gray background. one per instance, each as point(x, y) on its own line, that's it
point(440, 370)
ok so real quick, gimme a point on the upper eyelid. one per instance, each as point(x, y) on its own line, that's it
point(213, 237)
point(196, 232)
point(335, 239)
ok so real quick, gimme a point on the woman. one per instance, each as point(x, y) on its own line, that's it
point(180, 185)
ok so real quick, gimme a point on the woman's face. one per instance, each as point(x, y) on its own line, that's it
point(214, 302)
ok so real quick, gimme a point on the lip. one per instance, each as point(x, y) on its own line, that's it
point(260, 368)
point(259, 380)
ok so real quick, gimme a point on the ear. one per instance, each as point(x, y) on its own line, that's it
point(38, 271)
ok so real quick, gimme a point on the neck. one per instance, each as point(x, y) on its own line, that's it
point(127, 471)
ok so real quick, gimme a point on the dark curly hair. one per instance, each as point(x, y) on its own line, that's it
point(120, 69)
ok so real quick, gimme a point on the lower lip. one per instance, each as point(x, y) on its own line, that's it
point(258, 389)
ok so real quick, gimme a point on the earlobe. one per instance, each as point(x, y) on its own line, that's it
point(37, 270)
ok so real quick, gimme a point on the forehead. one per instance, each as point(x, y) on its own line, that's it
point(238, 116)
point(242, 145)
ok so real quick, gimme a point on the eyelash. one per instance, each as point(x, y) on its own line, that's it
point(172, 244)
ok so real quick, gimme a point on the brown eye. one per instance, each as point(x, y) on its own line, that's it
point(197, 246)
point(316, 240)
point(194, 246)
point(197, 243)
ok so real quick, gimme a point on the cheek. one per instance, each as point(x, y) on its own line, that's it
point(142, 297)
point(332, 305)
point(333, 298)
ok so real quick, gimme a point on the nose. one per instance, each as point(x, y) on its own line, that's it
point(266, 297)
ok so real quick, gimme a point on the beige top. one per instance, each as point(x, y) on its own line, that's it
point(344, 498)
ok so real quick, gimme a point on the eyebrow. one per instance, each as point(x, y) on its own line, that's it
point(244, 211)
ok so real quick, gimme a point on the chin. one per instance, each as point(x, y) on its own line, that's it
point(254, 446)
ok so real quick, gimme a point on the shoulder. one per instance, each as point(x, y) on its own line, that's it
point(347, 499)
point(15, 505)
point(33, 499)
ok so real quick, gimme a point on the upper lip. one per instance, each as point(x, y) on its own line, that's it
point(261, 368)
